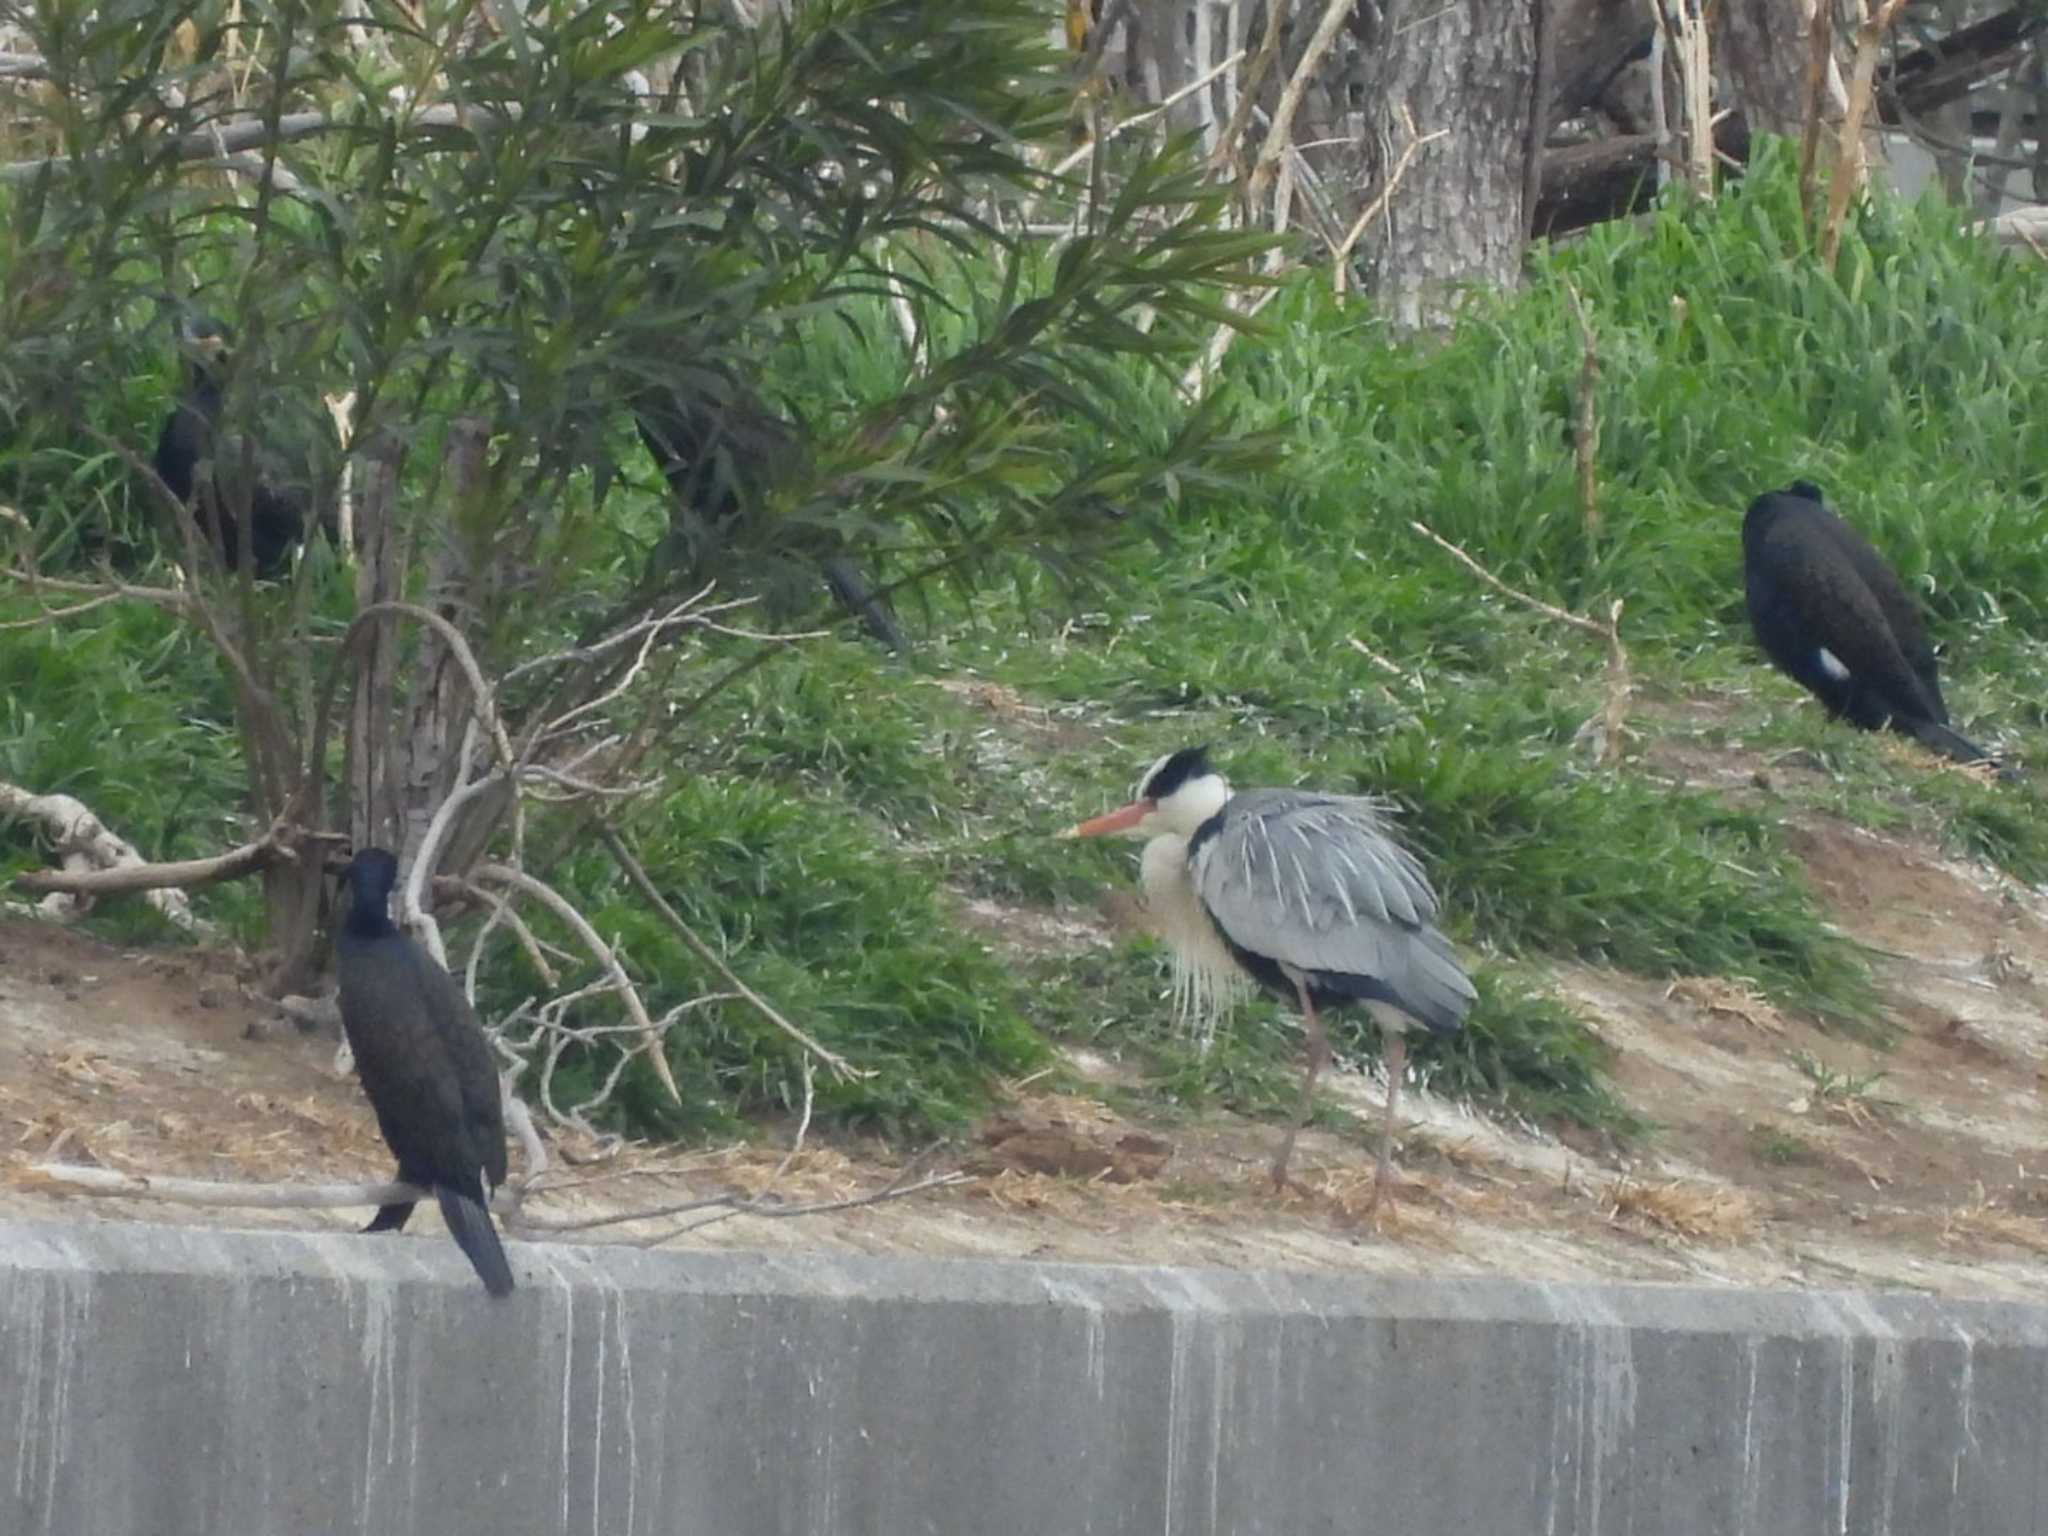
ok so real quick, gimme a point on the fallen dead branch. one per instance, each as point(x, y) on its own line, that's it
point(1614, 709)
point(1281, 135)
point(767, 1208)
point(603, 953)
point(78, 1178)
point(184, 874)
point(86, 845)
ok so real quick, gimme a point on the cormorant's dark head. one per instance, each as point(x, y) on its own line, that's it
point(1805, 488)
point(204, 341)
point(370, 876)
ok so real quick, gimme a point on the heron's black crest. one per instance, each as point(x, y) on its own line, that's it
point(1174, 770)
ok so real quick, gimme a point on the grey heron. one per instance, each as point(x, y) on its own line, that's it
point(426, 1069)
point(1307, 895)
point(1833, 616)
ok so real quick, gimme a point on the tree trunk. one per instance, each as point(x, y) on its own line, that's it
point(1465, 68)
point(1762, 48)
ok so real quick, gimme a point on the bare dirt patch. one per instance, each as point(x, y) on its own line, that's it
point(1783, 1154)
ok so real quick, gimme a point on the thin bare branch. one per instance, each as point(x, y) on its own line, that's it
point(736, 1204)
point(838, 1065)
point(1341, 257)
point(176, 1191)
point(1614, 708)
point(1820, 56)
point(1248, 87)
point(1586, 431)
point(180, 874)
point(1282, 132)
point(1849, 168)
point(629, 995)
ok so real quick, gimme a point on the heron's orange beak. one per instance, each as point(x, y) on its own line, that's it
point(1114, 821)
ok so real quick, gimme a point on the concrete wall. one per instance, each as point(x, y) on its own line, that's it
point(187, 1382)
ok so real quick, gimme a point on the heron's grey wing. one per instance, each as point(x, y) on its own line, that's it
point(1319, 883)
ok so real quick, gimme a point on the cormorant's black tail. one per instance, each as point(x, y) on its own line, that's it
point(471, 1227)
point(1949, 743)
point(857, 598)
point(390, 1218)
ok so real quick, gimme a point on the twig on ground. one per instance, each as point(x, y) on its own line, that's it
point(729, 1205)
point(215, 1192)
point(1614, 711)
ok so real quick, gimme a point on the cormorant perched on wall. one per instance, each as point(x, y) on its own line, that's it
point(719, 458)
point(276, 513)
point(1836, 618)
point(426, 1067)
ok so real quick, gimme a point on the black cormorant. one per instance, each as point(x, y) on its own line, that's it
point(276, 514)
point(426, 1067)
point(719, 458)
point(1836, 618)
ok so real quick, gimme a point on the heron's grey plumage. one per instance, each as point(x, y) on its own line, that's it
point(1319, 884)
point(1310, 896)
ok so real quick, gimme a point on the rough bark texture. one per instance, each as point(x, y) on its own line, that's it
point(1760, 48)
point(1465, 67)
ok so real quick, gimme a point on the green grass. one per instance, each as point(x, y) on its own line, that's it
point(832, 809)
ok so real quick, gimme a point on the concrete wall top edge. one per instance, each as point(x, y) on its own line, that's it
point(344, 1260)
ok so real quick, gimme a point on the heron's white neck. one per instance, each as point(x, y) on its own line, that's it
point(1207, 981)
point(1190, 805)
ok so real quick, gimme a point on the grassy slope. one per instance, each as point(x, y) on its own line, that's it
point(834, 807)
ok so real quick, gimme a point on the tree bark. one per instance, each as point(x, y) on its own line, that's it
point(1761, 47)
point(1466, 68)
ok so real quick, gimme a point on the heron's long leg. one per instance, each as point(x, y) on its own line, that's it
point(1318, 1044)
point(1394, 1052)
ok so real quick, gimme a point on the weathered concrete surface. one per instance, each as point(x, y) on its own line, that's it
point(159, 1381)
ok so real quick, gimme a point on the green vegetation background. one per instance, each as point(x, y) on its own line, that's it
point(831, 817)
